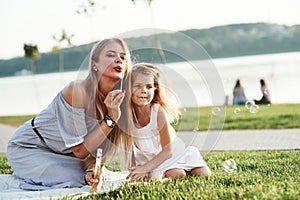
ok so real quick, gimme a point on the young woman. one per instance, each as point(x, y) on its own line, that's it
point(156, 149)
point(48, 151)
point(266, 96)
point(239, 96)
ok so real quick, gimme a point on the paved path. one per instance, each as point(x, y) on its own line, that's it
point(279, 139)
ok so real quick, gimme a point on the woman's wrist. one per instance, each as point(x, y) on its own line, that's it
point(109, 121)
point(114, 117)
point(88, 170)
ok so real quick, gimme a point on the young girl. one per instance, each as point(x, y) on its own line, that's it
point(156, 148)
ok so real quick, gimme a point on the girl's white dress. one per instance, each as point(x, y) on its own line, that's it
point(147, 145)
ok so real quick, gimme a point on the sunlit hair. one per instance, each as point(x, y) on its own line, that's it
point(262, 82)
point(96, 97)
point(161, 96)
point(97, 105)
point(238, 87)
point(238, 83)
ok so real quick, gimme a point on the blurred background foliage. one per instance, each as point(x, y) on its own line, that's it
point(219, 42)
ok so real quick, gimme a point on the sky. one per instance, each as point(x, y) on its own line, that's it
point(36, 21)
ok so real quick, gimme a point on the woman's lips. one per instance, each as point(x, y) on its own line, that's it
point(118, 69)
point(143, 97)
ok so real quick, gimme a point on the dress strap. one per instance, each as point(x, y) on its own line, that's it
point(36, 131)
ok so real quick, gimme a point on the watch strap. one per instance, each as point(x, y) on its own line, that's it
point(109, 122)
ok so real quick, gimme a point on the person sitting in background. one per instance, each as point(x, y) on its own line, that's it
point(266, 97)
point(239, 96)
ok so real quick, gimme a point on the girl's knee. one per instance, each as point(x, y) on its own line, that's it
point(175, 173)
point(200, 171)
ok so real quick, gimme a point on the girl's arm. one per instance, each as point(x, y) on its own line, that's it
point(166, 152)
point(133, 162)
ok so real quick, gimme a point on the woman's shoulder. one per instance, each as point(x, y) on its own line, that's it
point(75, 93)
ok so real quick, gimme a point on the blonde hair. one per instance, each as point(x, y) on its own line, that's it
point(97, 105)
point(161, 97)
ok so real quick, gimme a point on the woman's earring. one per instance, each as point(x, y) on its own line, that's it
point(95, 69)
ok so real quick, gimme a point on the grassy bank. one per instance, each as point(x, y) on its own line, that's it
point(259, 175)
point(14, 121)
point(276, 116)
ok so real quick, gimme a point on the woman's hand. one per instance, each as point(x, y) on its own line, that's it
point(96, 183)
point(138, 173)
point(112, 102)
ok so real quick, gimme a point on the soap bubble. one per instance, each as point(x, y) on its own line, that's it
point(237, 111)
point(249, 103)
point(254, 109)
point(215, 111)
point(196, 129)
point(229, 166)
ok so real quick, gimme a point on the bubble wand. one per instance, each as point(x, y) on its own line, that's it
point(97, 171)
point(121, 85)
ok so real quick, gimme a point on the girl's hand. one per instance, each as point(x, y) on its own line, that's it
point(112, 102)
point(138, 174)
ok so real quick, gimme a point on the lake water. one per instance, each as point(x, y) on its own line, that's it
point(194, 83)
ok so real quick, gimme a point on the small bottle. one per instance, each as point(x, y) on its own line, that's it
point(97, 172)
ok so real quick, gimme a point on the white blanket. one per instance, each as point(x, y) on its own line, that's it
point(9, 188)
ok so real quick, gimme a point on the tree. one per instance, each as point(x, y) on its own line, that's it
point(31, 52)
point(148, 1)
point(86, 8)
point(157, 40)
point(63, 38)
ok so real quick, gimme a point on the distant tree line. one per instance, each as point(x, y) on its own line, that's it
point(221, 41)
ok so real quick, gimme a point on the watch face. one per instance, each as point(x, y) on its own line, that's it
point(109, 122)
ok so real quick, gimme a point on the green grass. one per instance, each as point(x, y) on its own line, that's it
point(4, 166)
point(15, 121)
point(259, 175)
point(276, 116)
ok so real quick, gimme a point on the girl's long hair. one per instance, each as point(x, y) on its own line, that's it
point(97, 106)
